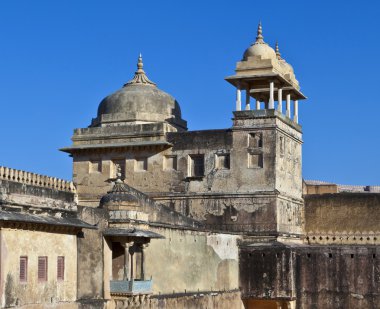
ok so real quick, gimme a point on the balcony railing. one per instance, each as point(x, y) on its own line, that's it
point(131, 287)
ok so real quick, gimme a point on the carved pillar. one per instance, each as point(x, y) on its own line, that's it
point(247, 99)
point(143, 246)
point(279, 106)
point(288, 105)
point(271, 95)
point(295, 118)
point(257, 104)
point(238, 99)
point(126, 260)
point(132, 253)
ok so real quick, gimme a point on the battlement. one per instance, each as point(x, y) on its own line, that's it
point(33, 179)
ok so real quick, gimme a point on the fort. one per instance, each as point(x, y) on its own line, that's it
point(157, 216)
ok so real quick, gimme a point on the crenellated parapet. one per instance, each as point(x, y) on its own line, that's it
point(33, 179)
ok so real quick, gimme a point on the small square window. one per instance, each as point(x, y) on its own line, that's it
point(42, 268)
point(141, 164)
point(255, 160)
point(255, 140)
point(60, 268)
point(223, 161)
point(95, 166)
point(197, 168)
point(23, 269)
point(170, 163)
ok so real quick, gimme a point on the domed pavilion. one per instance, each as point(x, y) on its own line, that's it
point(139, 101)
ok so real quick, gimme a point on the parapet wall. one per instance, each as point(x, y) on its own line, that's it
point(343, 218)
point(35, 192)
point(29, 178)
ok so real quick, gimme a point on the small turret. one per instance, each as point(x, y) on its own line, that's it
point(266, 77)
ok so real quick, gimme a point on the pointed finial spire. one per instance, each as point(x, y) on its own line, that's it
point(140, 76)
point(140, 64)
point(278, 54)
point(259, 38)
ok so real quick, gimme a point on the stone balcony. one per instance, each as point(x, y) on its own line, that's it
point(129, 287)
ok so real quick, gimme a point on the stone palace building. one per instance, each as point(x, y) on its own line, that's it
point(157, 216)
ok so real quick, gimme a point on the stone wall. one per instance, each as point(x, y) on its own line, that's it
point(264, 154)
point(192, 261)
point(343, 218)
point(311, 276)
point(39, 198)
point(338, 277)
point(186, 260)
point(32, 244)
point(91, 255)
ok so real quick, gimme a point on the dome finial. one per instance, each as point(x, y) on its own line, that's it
point(140, 64)
point(140, 76)
point(259, 38)
point(278, 54)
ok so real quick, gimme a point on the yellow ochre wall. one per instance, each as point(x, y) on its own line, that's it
point(18, 242)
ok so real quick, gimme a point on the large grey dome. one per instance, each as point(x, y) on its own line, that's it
point(139, 101)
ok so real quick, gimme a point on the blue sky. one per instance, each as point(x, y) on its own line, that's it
point(58, 59)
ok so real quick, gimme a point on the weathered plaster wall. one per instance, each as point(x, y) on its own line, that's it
point(16, 243)
point(288, 160)
point(21, 194)
point(243, 197)
point(346, 218)
point(319, 189)
point(186, 260)
point(338, 277)
point(313, 276)
point(192, 261)
point(158, 177)
point(91, 255)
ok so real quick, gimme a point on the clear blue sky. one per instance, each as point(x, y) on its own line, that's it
point(58, 59)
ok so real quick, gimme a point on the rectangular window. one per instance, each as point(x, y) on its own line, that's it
point(95, 166)
point(255, 140)
point(42, 268)
point(255, 160)
point(223, 161)
point(197, 168)
point(170, 163)
point(141, 164)
point(61, 268)
point(23, 269)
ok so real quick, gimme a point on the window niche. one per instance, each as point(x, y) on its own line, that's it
point(95, 166)
point(141, 164)
point(60, 268)
point(170, 163)
point(196, 166)
point(42, 269)
point(23, 269)
point(255, 160)
point(255, 140)
point(222, 161)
